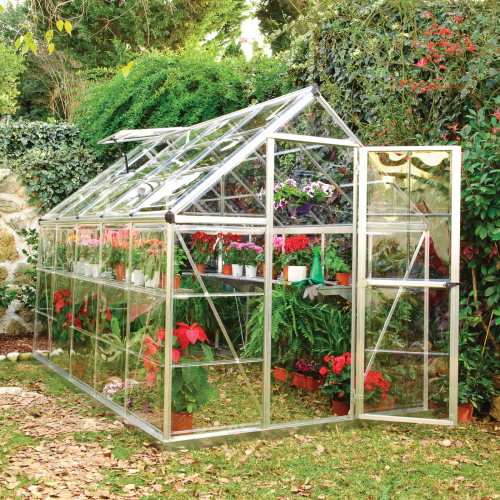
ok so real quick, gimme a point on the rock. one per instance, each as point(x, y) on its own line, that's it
point(9, 205)
point(8, 250)
point(15, 328)
point(2, 357)
point(26, 314)
point(3, 274)
point(21, 275)
point(9, 184)
point(12, 356)
point(54, 353)
point(495, 407)
point(11, 391)
point(2, 312)
point(25, 356)
point(18, 224)
point(42, 353)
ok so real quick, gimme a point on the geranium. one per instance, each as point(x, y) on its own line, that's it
point(60, 299)
point(377, 388)
point(226, 240)
point(250, 253)
point(202, 246)
point(234, 253)
point(338, 377)
point(297, 251)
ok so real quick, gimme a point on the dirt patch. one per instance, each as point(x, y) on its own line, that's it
point(21, 343)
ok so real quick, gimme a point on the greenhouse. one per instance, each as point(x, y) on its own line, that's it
point(332, 302)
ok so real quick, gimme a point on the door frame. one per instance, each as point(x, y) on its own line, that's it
point(454, 295)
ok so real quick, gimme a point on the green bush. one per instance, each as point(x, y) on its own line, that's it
point(50, 158)
point(179, 89)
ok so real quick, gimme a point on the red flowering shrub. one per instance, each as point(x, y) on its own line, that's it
point(202, 246)
point(297, 251)
point(338, 377)
point(377, 388)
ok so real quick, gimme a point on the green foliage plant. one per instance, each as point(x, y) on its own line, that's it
point(27, 293)
point(333, 262)
point(12, 68)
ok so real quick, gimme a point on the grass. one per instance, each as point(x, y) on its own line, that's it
point(375, 462)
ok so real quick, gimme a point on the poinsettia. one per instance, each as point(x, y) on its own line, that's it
point(189, 334)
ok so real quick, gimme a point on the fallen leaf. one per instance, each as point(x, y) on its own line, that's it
point(445, 443)
point(223, 480)
point(378, 479)
point(320, 448)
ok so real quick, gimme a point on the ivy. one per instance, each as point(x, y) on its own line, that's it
point(50, 158)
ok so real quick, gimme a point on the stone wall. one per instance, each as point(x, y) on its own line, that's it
point(15, 215)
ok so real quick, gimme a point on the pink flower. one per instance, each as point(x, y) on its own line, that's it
point(496, 114)
point(422, 62)
point(426, 14)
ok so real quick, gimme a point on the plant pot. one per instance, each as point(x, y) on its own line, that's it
point(201, 268)
point(95, 270)
point(296, 273)
point(80, 268)
point(464, 413)
point(177, 282)
point(373, 408)
point(280, 374)
point(340, 409)
point(227, 269)
point(138, 277)
point(344, 279)
point(153, 282)
point(88, 269)
point(250, 271)
point(237, 269)
point(120, 271)
point(181, 422)
point(306, 382)
point(274, 273)
point(303, 209)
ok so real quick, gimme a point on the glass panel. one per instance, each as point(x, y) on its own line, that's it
point(410, 366)
point(44, 293)
point(62, 300)
point(86, 306)
point(46, 250)
point(110, 372)
point(41, 332)
point(113, 315)
point(83, 358)
point(146, 389)
point(87, 251)
point(115, 252)
point(60, 344)
point(66, 249)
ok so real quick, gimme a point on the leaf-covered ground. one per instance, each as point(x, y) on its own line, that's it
point(56, 443)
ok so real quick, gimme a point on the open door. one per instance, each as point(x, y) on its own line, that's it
point(408, 295)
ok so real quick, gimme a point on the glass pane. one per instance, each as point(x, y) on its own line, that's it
point(62, 300)
point(46, 249)
point(409, 368)
point(87, 251)
point(115, 252)
point(60, 344)
point(44, 293)
point(83, 358)
point(66, 249)
point(41, 333)
point(110, 372)
point(113, 316)
point(85, 298)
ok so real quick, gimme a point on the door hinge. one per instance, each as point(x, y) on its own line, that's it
point(451, 285)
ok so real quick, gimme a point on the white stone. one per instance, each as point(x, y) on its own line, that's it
point(11, 391)
point(2, 357)
point(54, 353)
point(12, 356)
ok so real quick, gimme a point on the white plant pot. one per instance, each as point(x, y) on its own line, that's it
point(152, 283)
point(138, 277)
point(237, 270)
point(297, 273)
point(88, 269)
point(250, 271)
point(95, 270)
point(80, 268)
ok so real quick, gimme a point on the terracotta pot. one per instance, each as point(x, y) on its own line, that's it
point(344, 279)
point(181, 421)
point(368, 408)
point(227, 269)
point(201, 268)
point(309, 383)
point(280, 374)
point(177, 282)
point(340, 409)
point(465, 412)
point(274, 275)
point(285, 273)
point(120, 271)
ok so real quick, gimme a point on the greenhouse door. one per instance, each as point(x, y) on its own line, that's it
point(408, 294)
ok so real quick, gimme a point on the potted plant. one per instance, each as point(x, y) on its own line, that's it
point(379, 393)
point(299, 199)
point(335, 263)
point(277, 251)
point(202, 246)
point(308, 375)
point(190, 387)
point(250, 253)
point(226, 240)
point(338, 382)
point(115, 247)
point(235, 256)
point(296, 258)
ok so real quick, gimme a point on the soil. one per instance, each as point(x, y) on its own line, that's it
point(21, 343)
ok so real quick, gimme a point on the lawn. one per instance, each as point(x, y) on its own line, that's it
point(58, 443)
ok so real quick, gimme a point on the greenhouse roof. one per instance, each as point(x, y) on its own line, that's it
point(172, 169)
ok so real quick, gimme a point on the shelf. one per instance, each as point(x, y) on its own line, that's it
point(339, 290)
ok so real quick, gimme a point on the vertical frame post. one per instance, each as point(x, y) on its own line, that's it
point(268, 286)
point(169, 316)
point(361, 279)
point(426, 320)
point(127, 326)
point(456, 159)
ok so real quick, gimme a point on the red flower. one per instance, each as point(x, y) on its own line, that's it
point(496, 114)
point(189, 334)
point(422, 62)
point(341, 394)
point(107, 313)
point(78, 323)
point(161, 334)
point(323, 371)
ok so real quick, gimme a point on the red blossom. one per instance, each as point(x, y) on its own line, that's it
point(422, 62)
point(496, 114)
